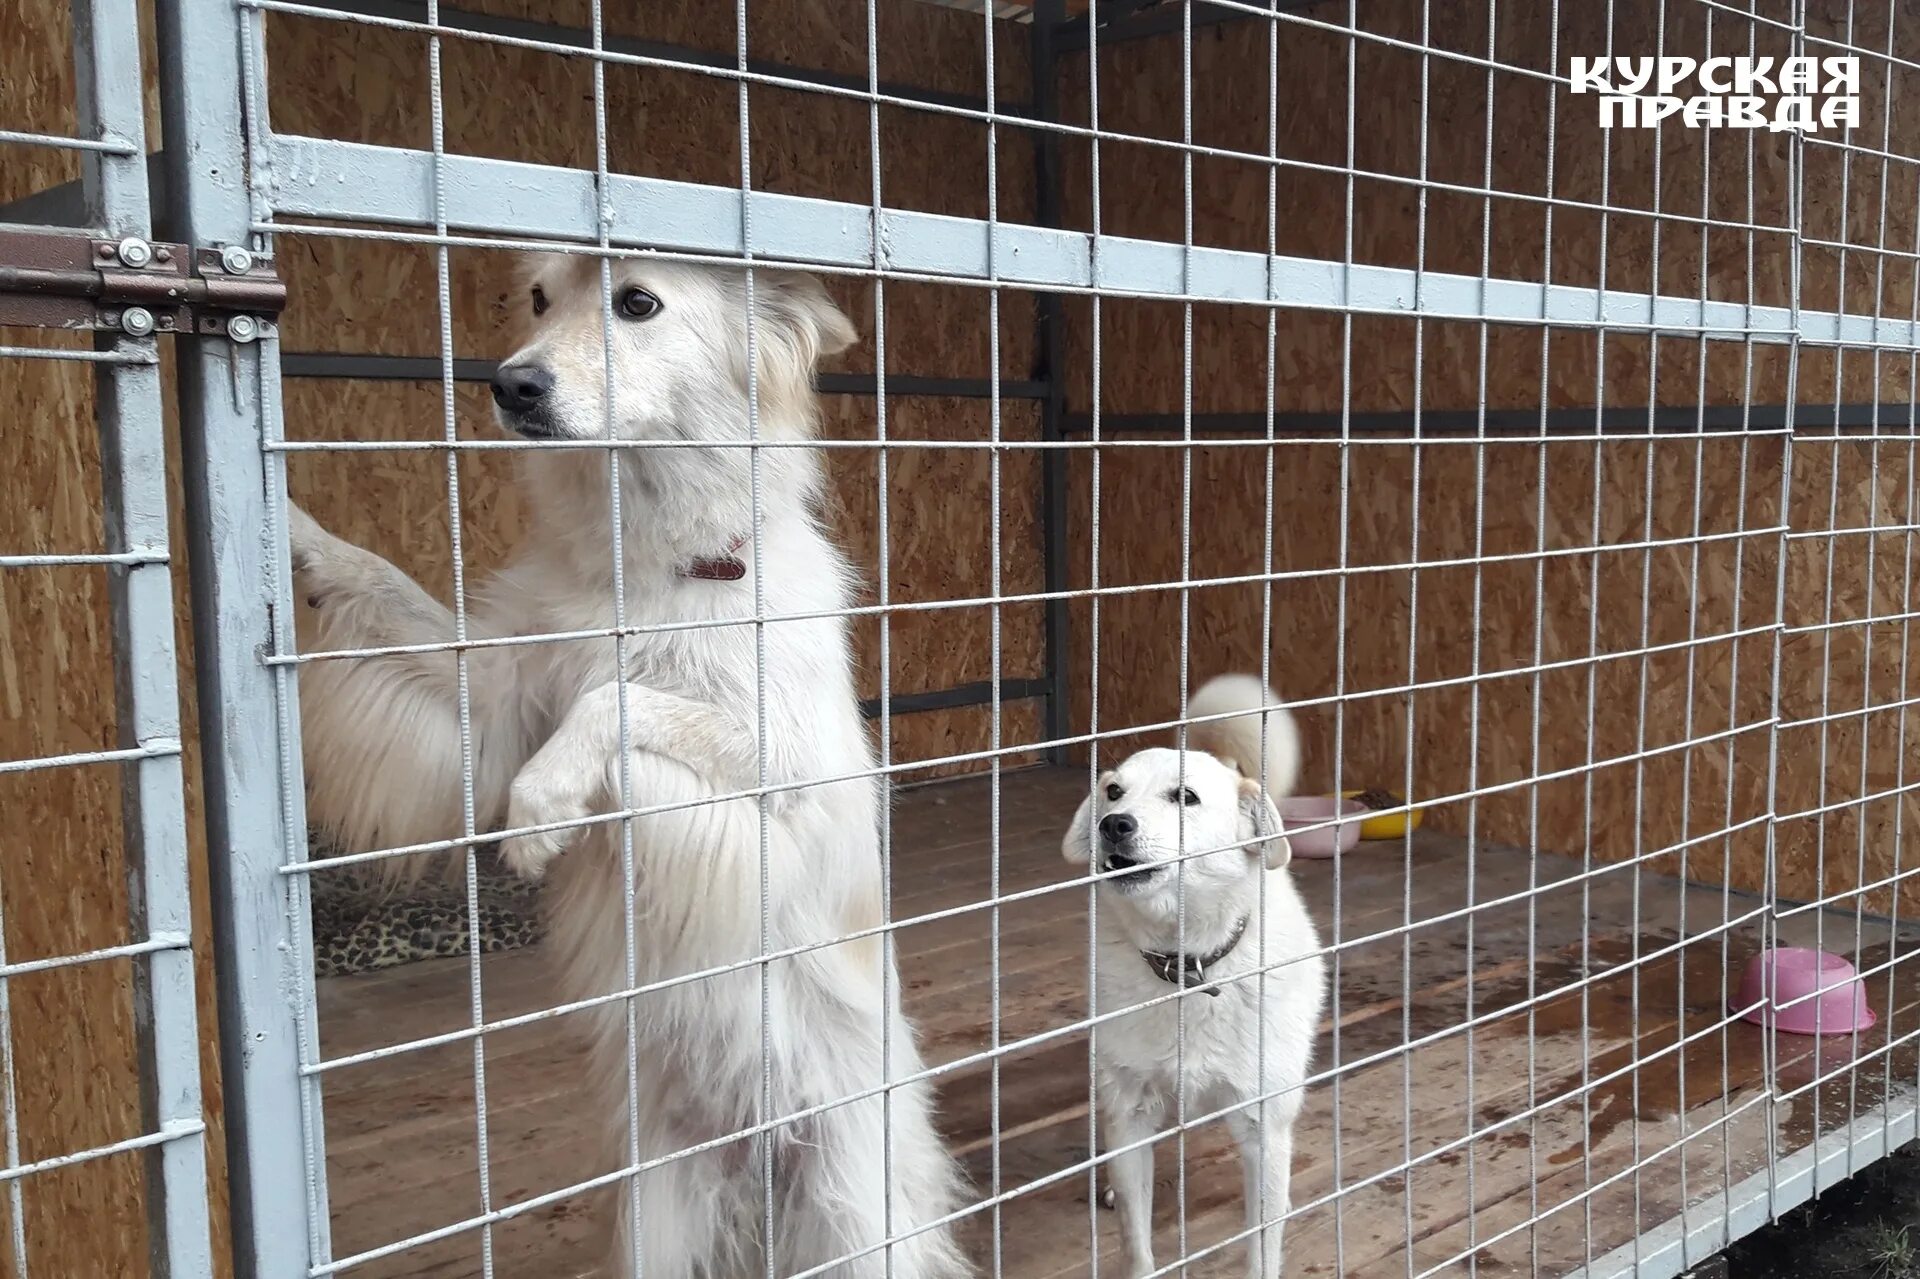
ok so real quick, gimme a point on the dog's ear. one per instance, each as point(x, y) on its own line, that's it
point(1077, 847)
point(799, 325)
point(1260, 820)
point(798, 302)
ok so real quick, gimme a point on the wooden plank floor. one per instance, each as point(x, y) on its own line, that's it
point(1597, 1044)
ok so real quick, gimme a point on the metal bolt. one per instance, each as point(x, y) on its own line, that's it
point(243, 328)
point(236, 260)
point(137, 321)
point(163, 254)
point(135, 252)
point(106, 251)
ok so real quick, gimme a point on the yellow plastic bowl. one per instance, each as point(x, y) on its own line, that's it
point(1388, 825)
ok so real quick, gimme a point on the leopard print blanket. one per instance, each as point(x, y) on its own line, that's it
point(360, 925)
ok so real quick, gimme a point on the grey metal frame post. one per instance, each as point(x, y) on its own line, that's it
point(1047, 16)
point(229, 393)
point(134, 480)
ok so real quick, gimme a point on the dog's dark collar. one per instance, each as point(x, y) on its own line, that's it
point(724, 567)
point(1185, 970)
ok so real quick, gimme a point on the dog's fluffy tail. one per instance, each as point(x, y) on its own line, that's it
point(1239, 740)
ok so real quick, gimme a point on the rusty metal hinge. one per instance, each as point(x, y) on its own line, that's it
point(69, 280)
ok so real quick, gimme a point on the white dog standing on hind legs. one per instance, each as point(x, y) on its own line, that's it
point(1248, 1033)
point(385, 754)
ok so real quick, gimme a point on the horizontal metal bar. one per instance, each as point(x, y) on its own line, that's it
point(103, 146)
point(978, 693)
point(76, 355)
point(1846, 623)
point(428, 368)
point(191, 1131)
point(630, 46)
point(1086, 444)
point(152, 555)
point(323, 178)
point(131, 950)
point(159, 746)
point(1663, 419)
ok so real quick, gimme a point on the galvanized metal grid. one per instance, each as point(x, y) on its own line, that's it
point(307, 186)
point(156, 961)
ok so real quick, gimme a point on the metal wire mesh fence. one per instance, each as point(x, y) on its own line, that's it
point(100, 1100)
point(1555, 478)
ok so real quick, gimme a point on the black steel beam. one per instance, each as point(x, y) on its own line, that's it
point(979, 693)
point(66, 205)
point(1438, 423)
point(426, 368)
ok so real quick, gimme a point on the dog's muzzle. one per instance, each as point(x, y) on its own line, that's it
point(1117, 861)
point(1116, 833)
point(524, 395)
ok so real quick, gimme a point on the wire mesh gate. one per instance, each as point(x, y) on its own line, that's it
point(1811, 490)
point(103, 978)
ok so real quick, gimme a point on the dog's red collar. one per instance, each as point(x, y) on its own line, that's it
point(724, 567)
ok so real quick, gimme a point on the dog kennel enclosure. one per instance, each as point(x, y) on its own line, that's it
point(1560, 477)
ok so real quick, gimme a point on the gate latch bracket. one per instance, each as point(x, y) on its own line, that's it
point(70, 280)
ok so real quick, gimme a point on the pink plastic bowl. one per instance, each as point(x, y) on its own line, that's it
point(1810, 992)
point(1306, 810)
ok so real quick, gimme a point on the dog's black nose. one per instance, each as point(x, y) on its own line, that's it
point(1117, 828)
point(518, 387)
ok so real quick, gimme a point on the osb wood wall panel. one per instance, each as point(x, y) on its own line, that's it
point(1746, 179)
point(919, 44)
point(37, 93)
point(64, 864)
point(1847, 680)
point(1538, 616)
point(1451, 501)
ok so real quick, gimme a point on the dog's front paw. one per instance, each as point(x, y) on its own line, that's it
point(308, 551)
point(529, 855)
point(531, 802)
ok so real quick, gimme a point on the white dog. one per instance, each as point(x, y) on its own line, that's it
point(711, 709)
point(1205, 809)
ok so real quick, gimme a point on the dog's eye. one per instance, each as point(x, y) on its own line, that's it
point(1185, 796)
point(539, 300)
point(1114, 791)
point(638, 304)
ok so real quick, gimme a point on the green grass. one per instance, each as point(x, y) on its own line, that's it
point(1893, 1250)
